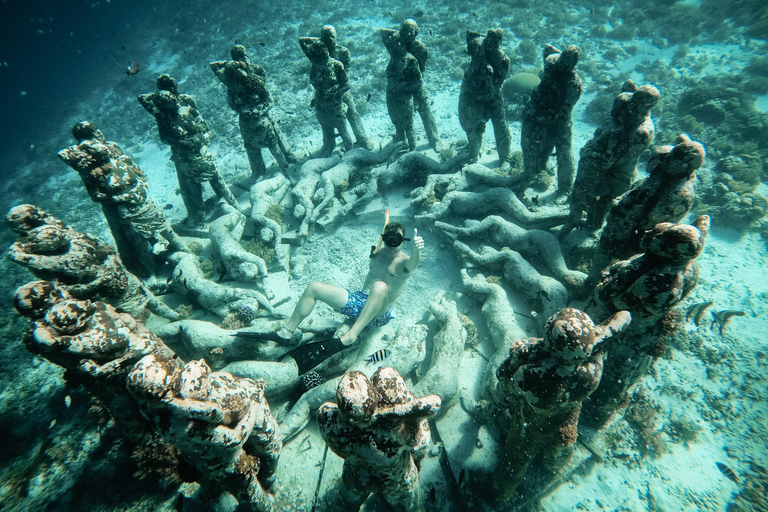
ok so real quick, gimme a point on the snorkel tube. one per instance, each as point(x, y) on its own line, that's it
point(375, 248)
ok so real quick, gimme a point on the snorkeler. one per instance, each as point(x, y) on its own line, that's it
point(387, 276)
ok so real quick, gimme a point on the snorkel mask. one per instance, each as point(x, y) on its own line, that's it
point(393, 239)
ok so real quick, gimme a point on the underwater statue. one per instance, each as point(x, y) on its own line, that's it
point(408, 32)
point(380, 429)
point(329, 79)
point(183, 128)
point(608, 161)
point(341, 53)
point(220, 424)
point(119, 185)
point(480, 98)
point(83, 265)
point(545, 381)
point(666, 195)
point(648, 285)
point(403, 83)
point(247, 95)
point(548, 118)
point(93, 342)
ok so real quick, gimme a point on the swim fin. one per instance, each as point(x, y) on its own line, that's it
point(312, 354)
point(262, 336)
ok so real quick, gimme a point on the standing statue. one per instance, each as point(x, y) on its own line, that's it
point(403, 83)
point(183, 128)
point(409, 30)
point(665, 196)
point(546, 380)
point(648, 285)
point(608, 162)
point(548, 118)
point(329, 79)
point(341, 53)
point(247, 95)
point(380, 429)
point(114, 180)
point(220, 424)
point(480, 98)
point(79, 263)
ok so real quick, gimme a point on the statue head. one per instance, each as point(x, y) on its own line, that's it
point(570, 335)
point(153, 378)
point(70, 316)
point(166, 82)
point(34, 299)
point(239, 52)
point(409, 30)
point(86, 130)
point(328, 36)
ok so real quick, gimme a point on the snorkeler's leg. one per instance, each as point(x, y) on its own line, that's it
point(377, 301)
point(334, 296)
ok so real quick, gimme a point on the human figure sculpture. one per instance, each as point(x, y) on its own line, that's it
point(545, 381)
point(548, 118)
point(403, 83)
point(83, 265)
point(380, 429)
point(92, 341)
point(480, 98)
point(183, 128)
point(608, 162)
point(112, 178)
point(648, 285)
point(247, 95)
point(341, 53)
point(408, 32)
point(665, 196)
point(329, 79)
point(220, 424)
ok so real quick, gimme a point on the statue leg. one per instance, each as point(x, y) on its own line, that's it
point(358, 129)
point(501, 132)
point(421, 103)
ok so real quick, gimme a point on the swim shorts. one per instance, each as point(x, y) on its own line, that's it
point(355, 304)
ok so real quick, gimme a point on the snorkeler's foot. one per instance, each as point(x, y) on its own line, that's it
point(310, 355)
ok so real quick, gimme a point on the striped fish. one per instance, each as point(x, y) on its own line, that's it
point(379, 355)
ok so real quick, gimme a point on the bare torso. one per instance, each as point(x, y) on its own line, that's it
point(391, 270)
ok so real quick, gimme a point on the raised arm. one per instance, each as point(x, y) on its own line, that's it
point(413, 261)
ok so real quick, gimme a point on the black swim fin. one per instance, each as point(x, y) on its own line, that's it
point(312, 354)
point(262, 336)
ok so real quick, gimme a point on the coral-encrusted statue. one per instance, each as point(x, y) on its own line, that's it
point(94, 343)
point(183, 128)
point(83, 265)
point(329, 79)
point(546, 380)
point(220, 424)
point(480, 98)
point(403, 83)
point(665, 196)
point(548, 118)
point(114, 180)
point(647, 285)
point(380, 429)
point(608, 162)
point(247, 95)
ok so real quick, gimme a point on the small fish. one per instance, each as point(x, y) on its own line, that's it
point(368, 98)
point(132, 68)
point(728, 472)
point(697, 312)
point(418, 13)
point(723, 318)
point(167, 206)
point(378, 356)
point(430, 32)
point(262, 44)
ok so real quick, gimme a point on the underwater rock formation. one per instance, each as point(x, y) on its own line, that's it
point(665, 196)
point(220, 424)
point(380, 429)
point(546, 380)
point(608, 161)
point(183, 128)
point(329, 79)
point(480, 98)
point(114, 180)
point(548, 119)
point(247, 95)
point(648, 285)
point(83, 265)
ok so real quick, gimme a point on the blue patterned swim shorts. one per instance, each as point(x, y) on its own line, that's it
point(355, 304)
